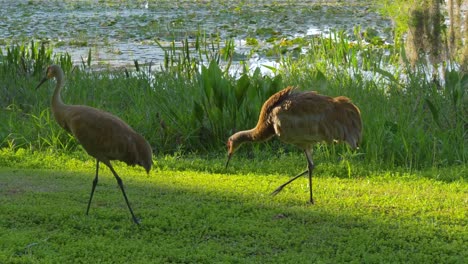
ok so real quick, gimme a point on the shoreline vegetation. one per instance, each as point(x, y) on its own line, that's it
point(193, 105)
point(414, 110)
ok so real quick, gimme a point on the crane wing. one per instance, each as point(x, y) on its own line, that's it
point(304, 119)
point(105, 136)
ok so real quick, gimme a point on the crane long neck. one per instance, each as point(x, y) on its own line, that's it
point(245, 136)
point(255, 134)
point(56, 98)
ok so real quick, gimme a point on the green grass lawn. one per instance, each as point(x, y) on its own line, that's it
point(192, 211)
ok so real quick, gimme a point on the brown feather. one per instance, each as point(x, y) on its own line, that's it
point(306, 118)
point(264, 128)
point(103, 135)
point(107, 137)
point(303, 119)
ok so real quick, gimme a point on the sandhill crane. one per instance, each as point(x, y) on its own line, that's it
point(103, 135)
point(303, 119)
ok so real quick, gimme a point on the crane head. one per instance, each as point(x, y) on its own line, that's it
point(50, 73)
point(230, 149)
point(233, 144)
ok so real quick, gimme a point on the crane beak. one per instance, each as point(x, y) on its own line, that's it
point(42, 81)
point(229, 158)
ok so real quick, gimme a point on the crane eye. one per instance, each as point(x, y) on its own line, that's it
point(49, 72)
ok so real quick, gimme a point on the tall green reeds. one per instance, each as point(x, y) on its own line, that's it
point(193, 104)
point(31, 59)
point(24, 122)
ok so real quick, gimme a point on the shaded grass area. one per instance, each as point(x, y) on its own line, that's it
point(202, 214)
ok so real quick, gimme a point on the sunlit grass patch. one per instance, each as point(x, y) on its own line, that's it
point(192, 210)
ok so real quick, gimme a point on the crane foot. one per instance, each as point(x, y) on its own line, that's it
point(278, 190)
point(136, 220)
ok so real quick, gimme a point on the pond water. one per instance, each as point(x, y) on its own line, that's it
point(118, 32)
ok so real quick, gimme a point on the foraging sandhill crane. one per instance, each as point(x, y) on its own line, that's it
point(303, 119)
point(103, 135)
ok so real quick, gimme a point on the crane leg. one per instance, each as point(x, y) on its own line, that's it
point(119, 181)
point(310, 167)
point(95, 181)
point(310, 164)
point(279, 189)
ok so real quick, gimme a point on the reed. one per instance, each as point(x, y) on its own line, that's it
point(192, 104)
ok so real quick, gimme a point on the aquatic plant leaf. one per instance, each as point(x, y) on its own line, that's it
point(240, 89)
point(198, 112)
point(386, 74)
point(277, 82)
point(434, 111)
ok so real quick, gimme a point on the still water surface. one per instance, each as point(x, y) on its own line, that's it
point(118, 32)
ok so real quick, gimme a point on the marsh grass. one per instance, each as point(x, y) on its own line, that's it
point(193, 211)
point(193, 104)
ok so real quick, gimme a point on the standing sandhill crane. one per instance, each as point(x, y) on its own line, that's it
point(103, 135)
point(303, 119)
